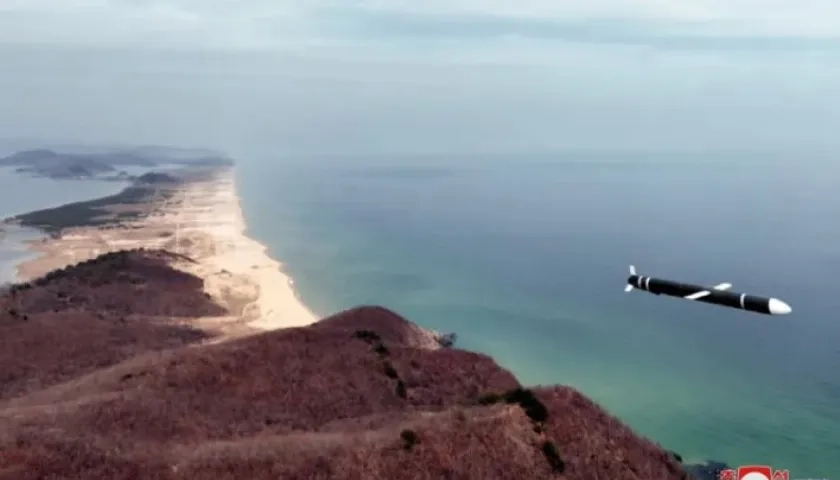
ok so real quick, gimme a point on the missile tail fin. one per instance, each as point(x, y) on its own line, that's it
point(629, 288)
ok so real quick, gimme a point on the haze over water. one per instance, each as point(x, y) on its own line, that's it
point(524, 256)
point(526, 259)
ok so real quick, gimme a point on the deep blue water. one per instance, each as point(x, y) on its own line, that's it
point(526, 261)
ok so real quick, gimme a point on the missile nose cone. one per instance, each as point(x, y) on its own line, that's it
point(778, 307)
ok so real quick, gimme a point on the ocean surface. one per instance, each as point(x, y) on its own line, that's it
point(526, 259)
point(23, 193)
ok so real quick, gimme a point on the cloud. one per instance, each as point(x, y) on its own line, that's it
point(759, 25)
point(455, 75)
point(671, 34)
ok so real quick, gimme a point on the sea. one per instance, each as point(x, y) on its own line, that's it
point(525, 258)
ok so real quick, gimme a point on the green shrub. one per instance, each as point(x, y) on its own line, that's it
point(367, 335)
point(409, 438)
point(381, 349)
point(532, 406)
point(490, 399)
point(526, 399)
point(550, 452)
point(390, 371)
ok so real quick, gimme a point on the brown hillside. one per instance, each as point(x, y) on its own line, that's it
point(363, 394)
point(93, 315)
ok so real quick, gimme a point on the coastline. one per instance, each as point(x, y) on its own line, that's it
point(203, 221)
point(200, 219)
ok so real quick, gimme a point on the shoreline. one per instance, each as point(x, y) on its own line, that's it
point(202, 219)
point(205, 221)
point(271, 314)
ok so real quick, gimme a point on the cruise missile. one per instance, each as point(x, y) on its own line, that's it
point(718, 295)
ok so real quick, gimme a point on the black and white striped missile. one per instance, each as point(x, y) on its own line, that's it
point(718, 295)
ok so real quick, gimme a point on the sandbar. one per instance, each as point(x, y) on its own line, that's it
point(203, 221)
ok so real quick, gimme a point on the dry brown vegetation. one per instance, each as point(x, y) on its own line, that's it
point(363, 394)
point(93, 315)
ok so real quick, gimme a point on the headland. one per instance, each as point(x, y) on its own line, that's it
point(192, 212)
point(152, 339)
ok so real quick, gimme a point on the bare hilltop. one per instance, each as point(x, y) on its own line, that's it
point(152, 339)
point(101, 376)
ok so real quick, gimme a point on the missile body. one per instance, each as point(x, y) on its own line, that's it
point(718, 295)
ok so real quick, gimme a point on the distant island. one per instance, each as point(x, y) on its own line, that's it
point(103, 165)
point(145, 193)
point(156, 178)
point(46, 163)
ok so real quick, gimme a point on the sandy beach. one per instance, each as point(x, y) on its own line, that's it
point(203, 221)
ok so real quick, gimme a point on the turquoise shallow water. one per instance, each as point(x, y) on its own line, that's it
point(527, 260)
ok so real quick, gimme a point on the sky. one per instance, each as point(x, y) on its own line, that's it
point(398, 76)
